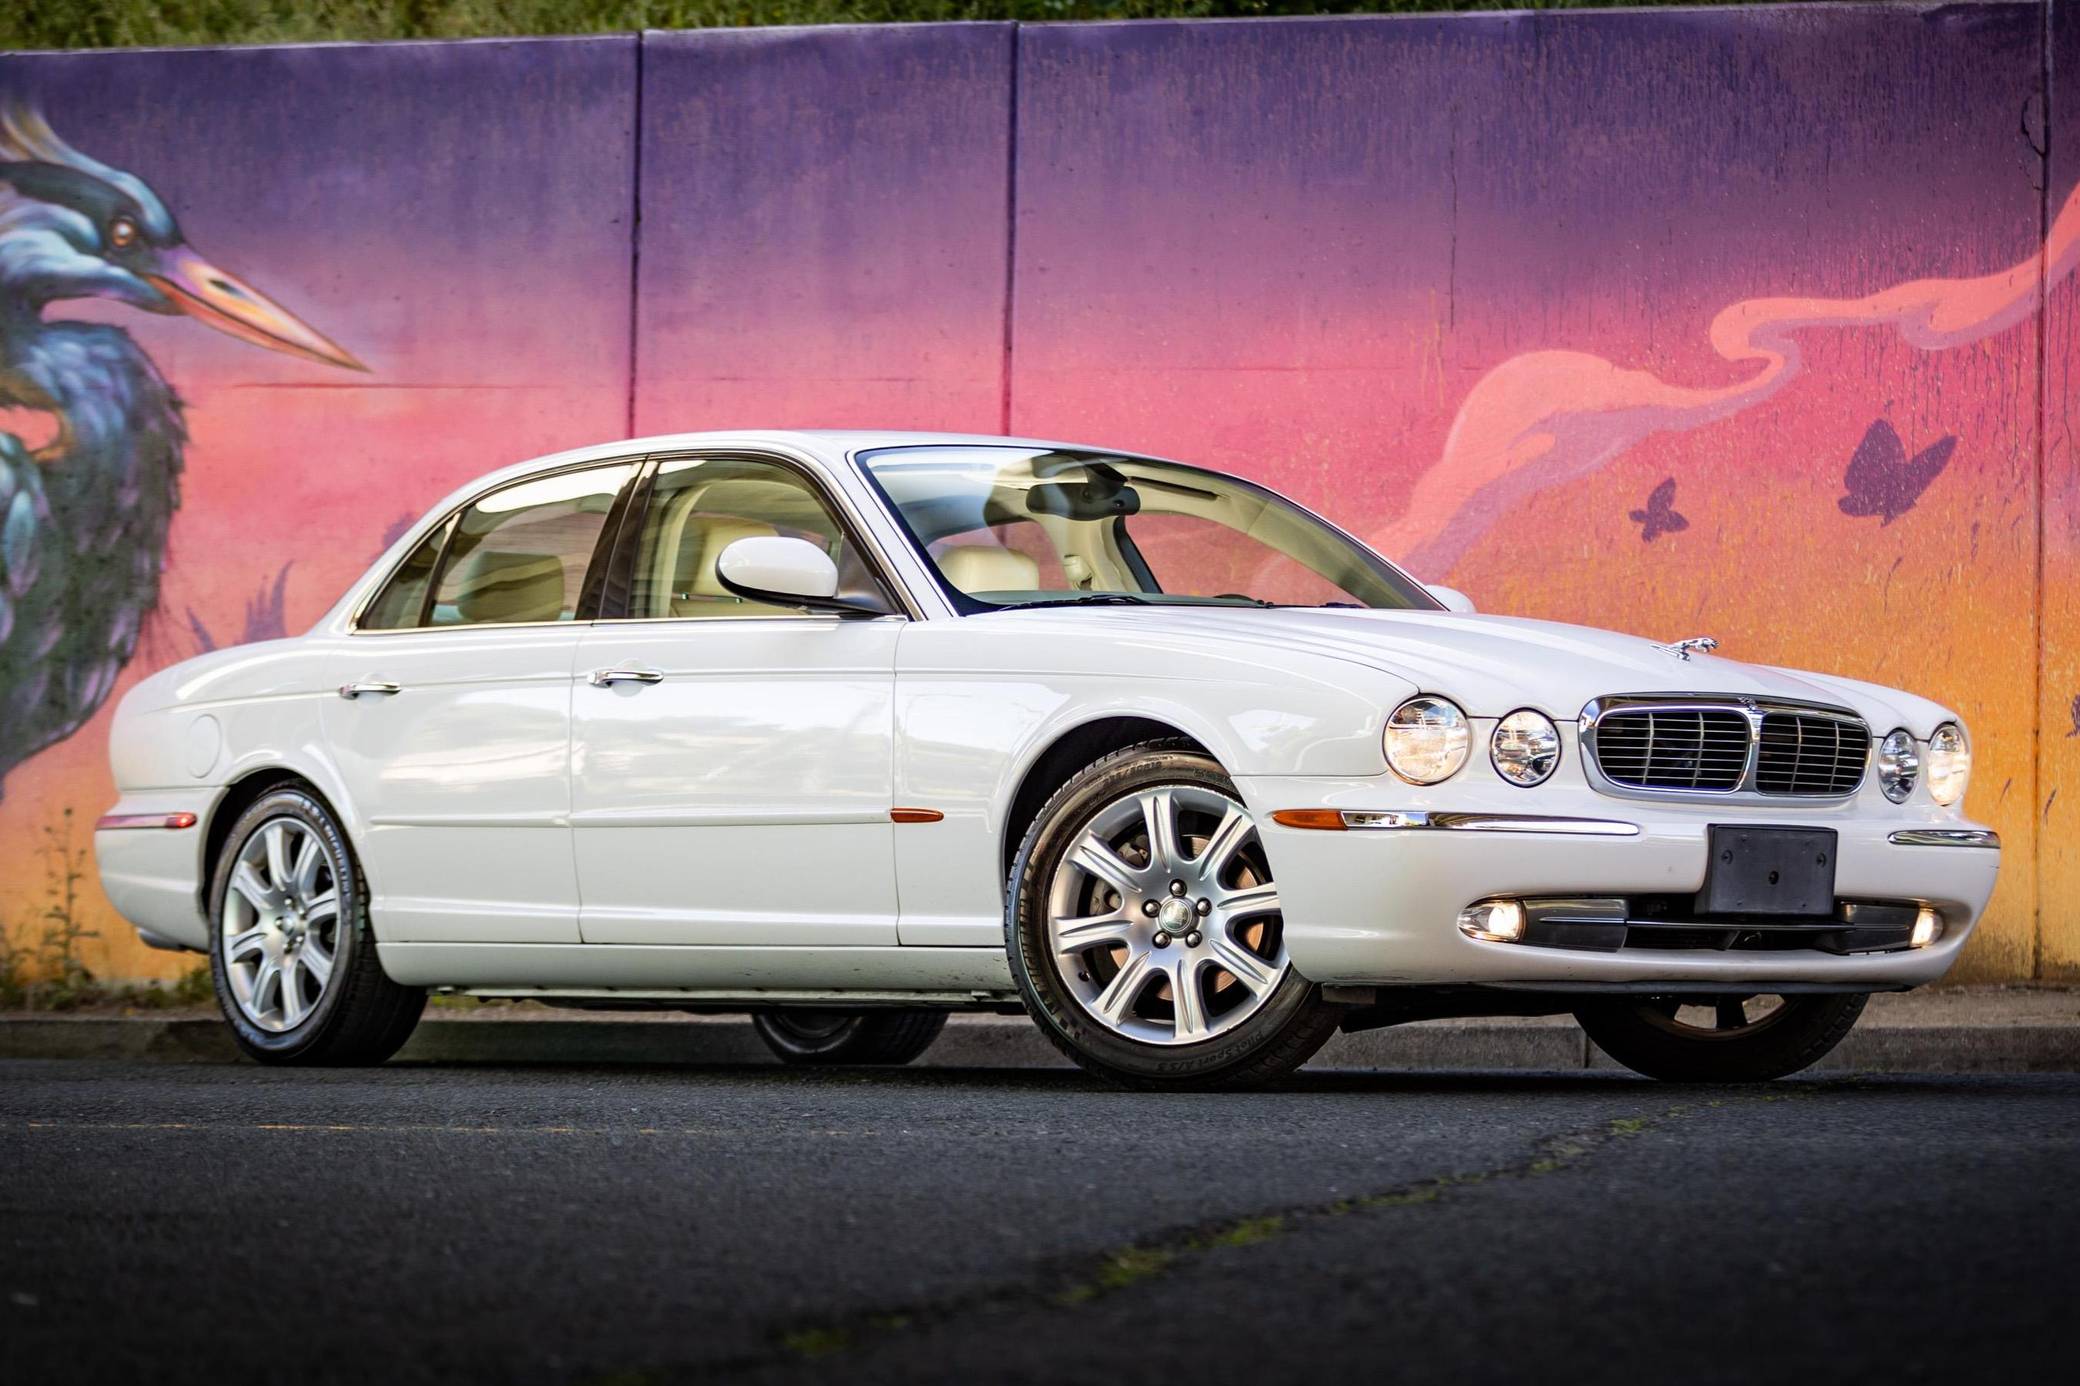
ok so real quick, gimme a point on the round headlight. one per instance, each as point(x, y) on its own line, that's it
point(1427, 740)
point(1525, 748)
point(1899, 763)
point(1949, 763)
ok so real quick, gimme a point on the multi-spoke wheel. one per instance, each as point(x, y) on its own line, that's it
point(293, 958)
point(1720, 1038)
point(1145, 930)
point(280, 924)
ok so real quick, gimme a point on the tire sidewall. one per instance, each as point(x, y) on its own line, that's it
point(352, 935)
point(1036, 971)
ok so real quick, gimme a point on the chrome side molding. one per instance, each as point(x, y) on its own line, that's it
point(1946, 837)
point(1487, 822)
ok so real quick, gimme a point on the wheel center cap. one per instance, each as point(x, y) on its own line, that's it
point(1175, 917)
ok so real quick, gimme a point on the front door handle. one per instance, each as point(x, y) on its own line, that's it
point(351, 691)
point(625, 673)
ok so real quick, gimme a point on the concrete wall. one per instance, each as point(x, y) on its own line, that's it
point(1476, 286)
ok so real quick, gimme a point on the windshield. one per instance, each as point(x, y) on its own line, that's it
point(1016, 526)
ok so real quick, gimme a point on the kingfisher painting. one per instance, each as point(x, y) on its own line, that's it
point(88, 495)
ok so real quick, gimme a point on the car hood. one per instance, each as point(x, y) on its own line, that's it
point(1494, 664)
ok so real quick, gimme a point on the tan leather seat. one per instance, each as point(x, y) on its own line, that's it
point(986, 568)
point(492, 585)
point(697, 588)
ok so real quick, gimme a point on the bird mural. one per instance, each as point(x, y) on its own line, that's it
point(84, 511)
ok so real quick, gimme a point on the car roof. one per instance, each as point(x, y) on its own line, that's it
point(830, 444)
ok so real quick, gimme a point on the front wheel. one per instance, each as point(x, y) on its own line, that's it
point(801, 1036)
point(1720, 1039)
point(291, 950)
point(1145, 930)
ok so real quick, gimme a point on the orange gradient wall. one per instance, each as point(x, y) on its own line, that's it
point(1480, 287)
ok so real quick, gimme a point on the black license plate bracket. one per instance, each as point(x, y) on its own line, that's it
point(1769, 870)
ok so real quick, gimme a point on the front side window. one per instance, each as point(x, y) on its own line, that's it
point(1008, 526)
point(698, 507)
point(516, 556)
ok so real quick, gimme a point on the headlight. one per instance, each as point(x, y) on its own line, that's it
point(1898, 765)
point(1525, 748)
point(1949, 764)
point(1427, 740)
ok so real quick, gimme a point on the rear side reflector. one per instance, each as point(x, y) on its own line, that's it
point(144, 820)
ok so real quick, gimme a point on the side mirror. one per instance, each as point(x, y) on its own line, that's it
point(788, 572)
point(1452, 597)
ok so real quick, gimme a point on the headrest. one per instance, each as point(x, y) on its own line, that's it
point(705, 540)
point(987, 568)
point(494, 586)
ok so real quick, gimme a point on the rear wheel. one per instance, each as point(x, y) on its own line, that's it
point(291, 951)
point(1720, 1039)
point(1145, 933)
point(801, 1036)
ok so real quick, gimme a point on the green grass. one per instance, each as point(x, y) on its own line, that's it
point(134, 23)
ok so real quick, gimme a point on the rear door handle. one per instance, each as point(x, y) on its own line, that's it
point(351, 691)
point(600, 678)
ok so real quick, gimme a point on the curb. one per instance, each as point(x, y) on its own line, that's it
point(1012, 1042)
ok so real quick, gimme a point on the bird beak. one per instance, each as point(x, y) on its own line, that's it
point(202, 291)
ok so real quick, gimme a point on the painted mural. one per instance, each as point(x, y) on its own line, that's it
point(1761, 323)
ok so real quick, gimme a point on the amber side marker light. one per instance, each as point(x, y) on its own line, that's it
point(144, 820)
point(914, 815)
point(1330, 820)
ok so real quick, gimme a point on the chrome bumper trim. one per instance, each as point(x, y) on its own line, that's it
point(1487, 822)
point(1946, 837)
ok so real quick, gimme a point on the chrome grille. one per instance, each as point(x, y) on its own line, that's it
point(1639, 742)
point(1669, 748)
point(1803, 754)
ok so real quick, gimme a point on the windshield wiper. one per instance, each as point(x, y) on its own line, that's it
point(1088, 599)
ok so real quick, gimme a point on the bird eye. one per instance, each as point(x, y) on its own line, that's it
point(122, 233)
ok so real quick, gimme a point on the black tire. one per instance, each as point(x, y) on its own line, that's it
point(1645, 1035)
point(1284, 1032)
point(802, 1036)
point(360, 1016)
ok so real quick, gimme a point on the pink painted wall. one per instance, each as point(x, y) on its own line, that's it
point(1476, 286)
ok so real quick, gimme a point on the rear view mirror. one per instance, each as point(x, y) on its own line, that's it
point(1452, 597)
point(787, 572)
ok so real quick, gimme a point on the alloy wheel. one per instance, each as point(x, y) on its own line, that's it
point(280, 930)
point(1164, 919)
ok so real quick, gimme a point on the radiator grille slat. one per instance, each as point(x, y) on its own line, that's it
point(1804, 754)
point(1706, 748)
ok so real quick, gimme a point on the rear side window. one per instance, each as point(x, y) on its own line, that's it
point(516, 556)
point(403, 599)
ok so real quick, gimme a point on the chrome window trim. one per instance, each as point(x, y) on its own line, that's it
point(420, 531)
point(1751, 709)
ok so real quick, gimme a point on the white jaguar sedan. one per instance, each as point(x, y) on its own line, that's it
point(854, 730)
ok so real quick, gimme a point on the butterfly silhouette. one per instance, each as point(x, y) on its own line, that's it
point(1661, 516)
point(1882, 480)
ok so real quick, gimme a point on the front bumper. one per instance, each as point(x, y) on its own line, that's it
point(1379, 904)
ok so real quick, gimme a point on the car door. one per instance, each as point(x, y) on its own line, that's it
point(452, 730)
point(732, 766)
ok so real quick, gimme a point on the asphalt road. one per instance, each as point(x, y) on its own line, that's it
point(442, 1224)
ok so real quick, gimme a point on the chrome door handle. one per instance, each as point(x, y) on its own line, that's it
point(600, 678)
point(351, 691)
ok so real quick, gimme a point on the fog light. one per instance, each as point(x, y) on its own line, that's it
point(1493, 921)
point(1928, 927)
